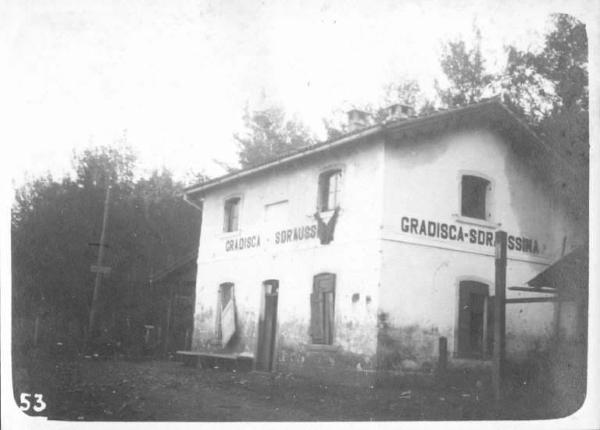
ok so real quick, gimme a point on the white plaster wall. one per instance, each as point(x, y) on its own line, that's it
point(354, 255)
point(423, 180)
point(420, 274)
point(412, 279)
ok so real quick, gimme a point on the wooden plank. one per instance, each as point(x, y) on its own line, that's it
point(228, 322)
point(489, 347)
point(532, 300)
point(486, 334)
point(534, 290)
point(260, 360)
point(442, 364)
point(100, 269)
point(316, 321)
point(168, 321)
point(270, 327)
point(329, 317)
point(463, 319)
point(208, 355)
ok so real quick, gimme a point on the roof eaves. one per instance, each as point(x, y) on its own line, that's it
point(190, 258)
point(536, 139)
point(391, 127)
point(354, 136)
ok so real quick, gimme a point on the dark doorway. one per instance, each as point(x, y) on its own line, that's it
point(474, 336)
point(267, 326)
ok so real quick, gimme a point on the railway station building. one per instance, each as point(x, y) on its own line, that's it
point(355, 255)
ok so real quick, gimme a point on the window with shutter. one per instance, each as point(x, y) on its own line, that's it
point(322, 305)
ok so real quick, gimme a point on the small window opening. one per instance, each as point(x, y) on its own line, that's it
point(474, 197)
point(232, 214)
point(329, 190)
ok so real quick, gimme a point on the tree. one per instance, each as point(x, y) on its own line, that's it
point(549, 88)
point(465, 70)
point(269, 134)
point(555, 78)
point(54, 221)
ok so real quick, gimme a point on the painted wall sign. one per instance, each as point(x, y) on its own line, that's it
point(457, 233)
point(296, 234)
point(242, 243)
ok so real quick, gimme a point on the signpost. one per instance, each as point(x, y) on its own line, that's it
point(499, 316)
point(99, 269)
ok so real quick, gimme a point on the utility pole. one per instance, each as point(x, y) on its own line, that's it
point(499, 317)
point(99, 269)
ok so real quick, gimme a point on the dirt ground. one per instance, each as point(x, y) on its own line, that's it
point(107, 390)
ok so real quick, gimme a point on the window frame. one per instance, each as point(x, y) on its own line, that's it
point(489, 221)
point(226, 218)
point(325, 176)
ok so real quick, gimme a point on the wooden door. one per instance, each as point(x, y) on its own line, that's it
point(323, 309)
point(471, 338)
point(267, 327)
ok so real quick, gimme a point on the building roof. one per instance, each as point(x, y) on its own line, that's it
point(185, 263)
point(570, 273)
point(491, 112)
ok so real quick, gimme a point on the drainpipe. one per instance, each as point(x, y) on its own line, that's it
point(197, 205)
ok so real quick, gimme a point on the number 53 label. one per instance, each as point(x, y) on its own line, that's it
point(25, 402)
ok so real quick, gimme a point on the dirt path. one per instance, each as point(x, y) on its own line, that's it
point(82, 389)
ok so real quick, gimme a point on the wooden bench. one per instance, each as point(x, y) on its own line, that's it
point(209, 360)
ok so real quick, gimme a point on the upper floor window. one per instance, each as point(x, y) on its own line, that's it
point(475, 192)
point(329, 189)
point(232, 214)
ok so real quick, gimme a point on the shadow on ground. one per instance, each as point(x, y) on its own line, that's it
point(90, 389)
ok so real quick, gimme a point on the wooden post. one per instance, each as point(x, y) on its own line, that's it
point(557, 316)
point(168, 321)
point(36, 330)
point(98, 281)
point(499, 316)
point(442, 358)
point(486, 334)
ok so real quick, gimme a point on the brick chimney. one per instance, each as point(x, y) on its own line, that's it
point(357, 119)
point(399, 111)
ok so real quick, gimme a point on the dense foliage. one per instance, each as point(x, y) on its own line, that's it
point(549, 89)
point(55, 224)
point(54, 221)
point(268, 133)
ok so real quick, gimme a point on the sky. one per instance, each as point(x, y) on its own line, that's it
point(171, 78)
